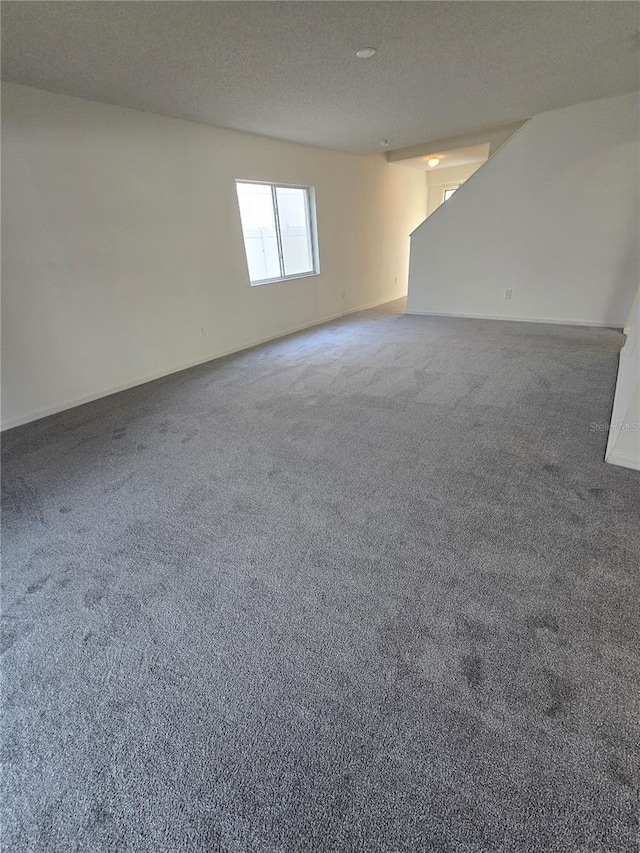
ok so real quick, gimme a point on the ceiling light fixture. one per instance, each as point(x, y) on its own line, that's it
point(432, 162)
point(384, 143)
point(366, 53)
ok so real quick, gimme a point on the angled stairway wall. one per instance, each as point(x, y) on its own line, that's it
point(552, 217)
point(623, 445)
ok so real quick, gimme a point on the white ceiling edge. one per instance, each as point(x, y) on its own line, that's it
point(494, 136)
point(450, 159)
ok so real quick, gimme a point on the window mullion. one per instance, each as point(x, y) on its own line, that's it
point(309, 226)
point(276, 214)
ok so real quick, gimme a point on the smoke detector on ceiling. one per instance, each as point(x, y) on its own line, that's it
point(366, 53)
point(384, 143)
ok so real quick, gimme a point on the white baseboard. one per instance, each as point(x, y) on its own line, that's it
point(552, 320)
point(150, 377)
point(626, 460)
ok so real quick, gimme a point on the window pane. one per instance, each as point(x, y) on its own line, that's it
point(295, 230)
point(259, 228)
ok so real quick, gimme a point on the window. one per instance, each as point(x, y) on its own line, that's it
point(278, 228)
point(449, 192)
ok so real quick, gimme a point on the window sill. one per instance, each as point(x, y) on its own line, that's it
point(284, 278)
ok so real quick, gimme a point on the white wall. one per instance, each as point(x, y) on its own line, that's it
point(623, 445)
point(122, 238)
point(553, 216)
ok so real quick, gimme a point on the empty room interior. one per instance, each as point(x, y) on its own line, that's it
point(320, 426)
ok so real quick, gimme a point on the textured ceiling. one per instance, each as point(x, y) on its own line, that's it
point(289, 70)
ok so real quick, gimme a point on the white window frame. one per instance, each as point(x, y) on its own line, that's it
point(448, 187)
point(310, 194)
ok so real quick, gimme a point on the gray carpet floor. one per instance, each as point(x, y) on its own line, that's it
point(369, 588)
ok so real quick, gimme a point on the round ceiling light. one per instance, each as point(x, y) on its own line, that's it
point(366, 53)
point(432, 162)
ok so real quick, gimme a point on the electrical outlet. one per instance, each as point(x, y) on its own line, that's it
point(507, 293)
